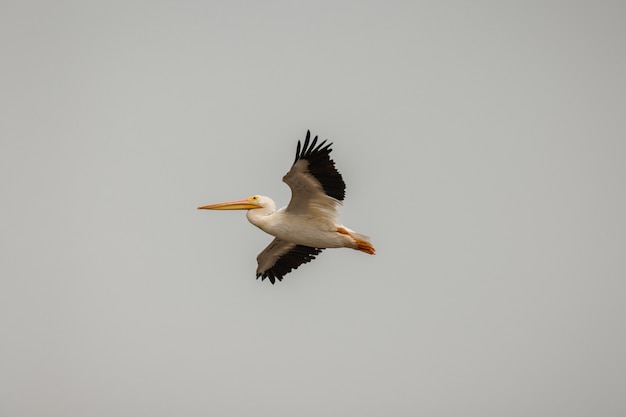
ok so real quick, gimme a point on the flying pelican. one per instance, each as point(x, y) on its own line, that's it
point(309, 223)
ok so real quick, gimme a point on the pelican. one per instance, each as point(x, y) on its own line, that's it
point(309, 223)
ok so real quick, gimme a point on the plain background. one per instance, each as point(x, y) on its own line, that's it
point(483, 145)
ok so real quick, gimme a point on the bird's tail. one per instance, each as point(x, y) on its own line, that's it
point(362, 242)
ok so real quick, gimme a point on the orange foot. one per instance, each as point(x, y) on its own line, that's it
point(362, 245)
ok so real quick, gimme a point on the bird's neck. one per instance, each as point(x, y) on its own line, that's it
point(261, 217)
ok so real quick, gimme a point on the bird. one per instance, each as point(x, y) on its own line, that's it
point(309, 223)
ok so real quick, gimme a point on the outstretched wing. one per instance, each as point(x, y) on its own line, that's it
point(280, 257)
point(314, 181)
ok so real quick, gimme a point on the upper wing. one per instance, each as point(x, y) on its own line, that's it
point(280, 257)
point(313, 179)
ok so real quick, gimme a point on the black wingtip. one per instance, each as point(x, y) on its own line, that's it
point(306, 140)
point(297, 153)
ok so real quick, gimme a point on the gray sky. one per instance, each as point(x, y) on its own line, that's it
point(483, 147)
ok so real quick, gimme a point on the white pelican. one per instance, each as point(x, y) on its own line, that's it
point(309, 223)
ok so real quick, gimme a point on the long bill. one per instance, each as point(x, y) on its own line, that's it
point(231, 205)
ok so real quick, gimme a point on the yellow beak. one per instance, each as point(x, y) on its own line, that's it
point(231, 205)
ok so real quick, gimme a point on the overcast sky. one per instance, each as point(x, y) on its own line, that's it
point(483, 145)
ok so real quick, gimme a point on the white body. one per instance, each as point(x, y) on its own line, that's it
point(318, 231)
